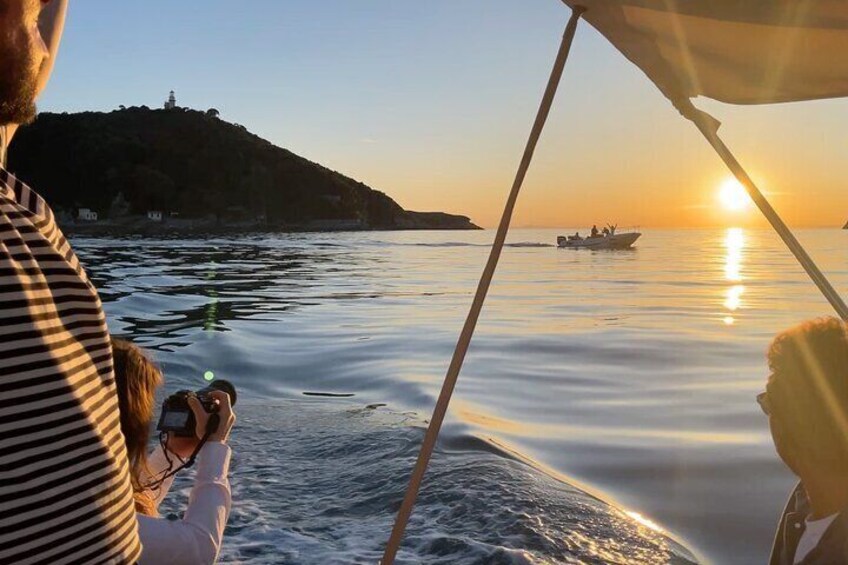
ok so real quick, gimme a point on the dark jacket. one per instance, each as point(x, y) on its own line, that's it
point(832, 548)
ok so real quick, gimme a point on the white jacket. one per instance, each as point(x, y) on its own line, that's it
point(196, 539)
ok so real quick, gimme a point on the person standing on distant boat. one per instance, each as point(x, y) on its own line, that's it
point(64, 473)
point(806, 401)
point(594, 231)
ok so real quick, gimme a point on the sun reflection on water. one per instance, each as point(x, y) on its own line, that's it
point(734, 297)
point(734, 244)
point(644, 521)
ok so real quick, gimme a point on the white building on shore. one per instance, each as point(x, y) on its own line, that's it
point(87, 215)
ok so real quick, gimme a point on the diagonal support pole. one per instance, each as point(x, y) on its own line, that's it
point(709, 128)
point(480, 296)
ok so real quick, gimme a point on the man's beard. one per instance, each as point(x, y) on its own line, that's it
point(17, 88)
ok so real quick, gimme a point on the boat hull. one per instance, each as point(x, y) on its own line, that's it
point(617, 241)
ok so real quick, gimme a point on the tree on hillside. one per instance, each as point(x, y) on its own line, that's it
point(149, 189)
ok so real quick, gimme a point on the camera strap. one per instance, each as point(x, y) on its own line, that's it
point(211, 426)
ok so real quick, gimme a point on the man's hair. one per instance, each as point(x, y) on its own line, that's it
point(808, 390)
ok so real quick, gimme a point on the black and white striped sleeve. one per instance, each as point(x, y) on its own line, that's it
point(65, 492)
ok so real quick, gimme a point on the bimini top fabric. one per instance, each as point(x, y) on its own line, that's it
point(735, 51)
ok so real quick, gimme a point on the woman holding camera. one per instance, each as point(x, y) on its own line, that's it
point(197, 537)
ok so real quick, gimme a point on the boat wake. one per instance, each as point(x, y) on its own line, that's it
point(468, 244)
point(315, 482)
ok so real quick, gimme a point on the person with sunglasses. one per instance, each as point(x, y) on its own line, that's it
point(806, 401)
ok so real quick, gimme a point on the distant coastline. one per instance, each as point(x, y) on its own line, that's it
point(141, 225)
point(137, 170)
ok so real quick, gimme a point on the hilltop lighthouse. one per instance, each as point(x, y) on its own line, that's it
point(172, 102)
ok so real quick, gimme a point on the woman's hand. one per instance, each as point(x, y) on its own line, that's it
point(185, 446)
point(225, 414)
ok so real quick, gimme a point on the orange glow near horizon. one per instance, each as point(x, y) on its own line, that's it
point(587, 170)
point(608, 178)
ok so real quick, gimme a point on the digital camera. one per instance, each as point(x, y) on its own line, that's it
point(177, 417)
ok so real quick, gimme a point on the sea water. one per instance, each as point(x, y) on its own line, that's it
point(606, 404)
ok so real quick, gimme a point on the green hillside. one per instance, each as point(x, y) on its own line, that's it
point(191, 164)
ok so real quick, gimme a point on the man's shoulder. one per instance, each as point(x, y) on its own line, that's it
point(835, 540)
point(786, 538)
point(832, 548)
point(26, 217)
point(21, 200)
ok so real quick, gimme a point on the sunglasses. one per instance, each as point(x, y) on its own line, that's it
point(763, 401)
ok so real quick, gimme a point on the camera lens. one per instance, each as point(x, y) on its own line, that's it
point(226, 386)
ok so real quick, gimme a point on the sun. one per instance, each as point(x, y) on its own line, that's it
point(732, 196)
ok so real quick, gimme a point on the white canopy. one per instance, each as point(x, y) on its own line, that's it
point(735, 51)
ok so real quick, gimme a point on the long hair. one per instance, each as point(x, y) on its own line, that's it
point(136, 378)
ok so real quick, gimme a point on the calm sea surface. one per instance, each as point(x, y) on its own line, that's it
point(631, 375)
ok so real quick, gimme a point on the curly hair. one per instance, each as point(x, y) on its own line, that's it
point(136, 378)
point(808, 390)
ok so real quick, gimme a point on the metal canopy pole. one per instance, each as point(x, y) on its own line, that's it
point(709, 128)
point(480, 296)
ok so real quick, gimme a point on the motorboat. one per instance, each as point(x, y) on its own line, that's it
point(600, 241)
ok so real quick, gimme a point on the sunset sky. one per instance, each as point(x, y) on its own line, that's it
point(431, 102)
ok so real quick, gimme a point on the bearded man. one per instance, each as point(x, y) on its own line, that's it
point(65, 492)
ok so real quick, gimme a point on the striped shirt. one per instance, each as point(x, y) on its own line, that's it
point(65, 494)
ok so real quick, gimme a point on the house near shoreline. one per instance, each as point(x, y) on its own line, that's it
point(86, 215)
point(154, 215)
